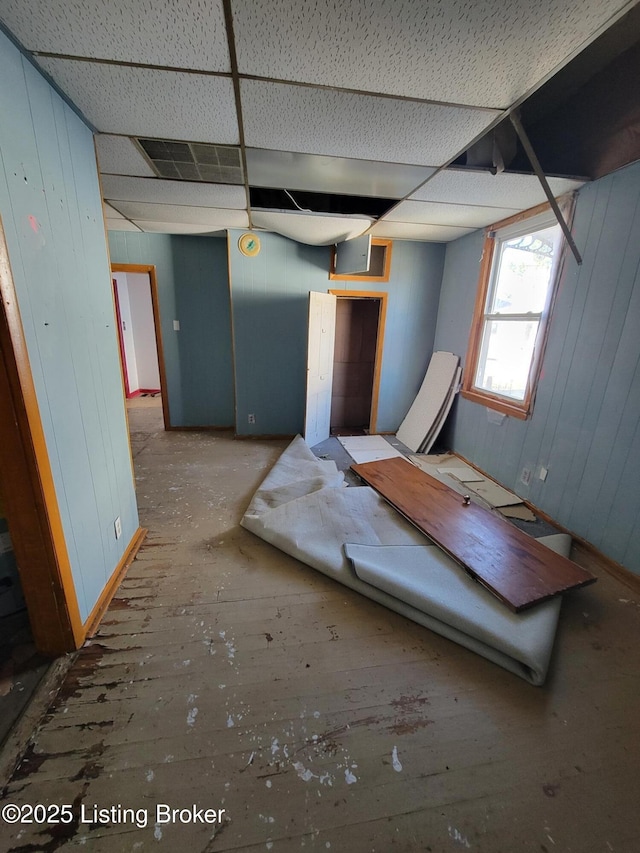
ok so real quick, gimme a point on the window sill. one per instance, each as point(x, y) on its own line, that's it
point(499, 404)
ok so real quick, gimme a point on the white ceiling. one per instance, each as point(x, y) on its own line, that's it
point(371, 98)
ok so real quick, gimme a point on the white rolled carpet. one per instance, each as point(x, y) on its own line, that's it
point(304, 508)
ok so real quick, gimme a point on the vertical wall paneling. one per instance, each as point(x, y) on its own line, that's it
point(193, 288)
point(52, 210)
point(269, 298)
point(584, 428)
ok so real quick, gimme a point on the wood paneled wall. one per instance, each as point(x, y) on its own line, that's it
point(193, 288)
point(51, 208)
point(585, 427)
point(269, 300)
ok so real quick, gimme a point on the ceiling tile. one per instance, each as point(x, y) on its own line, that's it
point(119, 156)
point(465, 186)
point(315, 173)
point(315, 230)
point(182, 228)
point(173, 192)
point(111, 212)
point(438, 213)
point(120, 225)
point(221, 218)
point(341, 124)
point(416, 231)
point(146, 102)
point(188, 34)
point(482, 52)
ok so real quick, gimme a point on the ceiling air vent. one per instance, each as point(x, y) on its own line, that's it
point(194, 161)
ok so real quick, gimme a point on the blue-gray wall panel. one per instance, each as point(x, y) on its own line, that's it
point(193, 288)
point(52, 213)
point(269, 295)
point(584, 426)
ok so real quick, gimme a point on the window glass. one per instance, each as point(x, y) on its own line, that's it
point(517, 282)
point(525, 266)
point(506, 358)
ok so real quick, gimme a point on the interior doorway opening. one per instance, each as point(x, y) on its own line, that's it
point(139, 333)
point(357, 361)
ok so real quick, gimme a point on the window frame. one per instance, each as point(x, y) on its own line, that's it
point(521, 409)
point(364, 276)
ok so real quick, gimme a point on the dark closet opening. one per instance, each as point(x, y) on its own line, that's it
point(357, 322)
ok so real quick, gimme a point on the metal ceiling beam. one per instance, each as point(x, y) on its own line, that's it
point(537, 168)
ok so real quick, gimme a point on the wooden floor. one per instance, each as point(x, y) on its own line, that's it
point(227, 675)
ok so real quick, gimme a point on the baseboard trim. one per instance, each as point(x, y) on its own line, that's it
point(91, 623)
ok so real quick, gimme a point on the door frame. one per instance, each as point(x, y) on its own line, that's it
point(150, 270)
point(123, 355)
point(381, 297)
point(35, 525)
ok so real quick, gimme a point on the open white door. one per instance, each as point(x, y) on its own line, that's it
point(320, 345)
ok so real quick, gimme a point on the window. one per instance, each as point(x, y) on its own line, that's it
point(518, 275)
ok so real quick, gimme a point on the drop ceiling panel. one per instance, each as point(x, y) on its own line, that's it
point(146, 102)
point(462, 186)
point(341, 124)
point(189, 34)
point(438, 213)
point(121, 225)
point(182, 228)
point(111, 212)
point(173, 192)
point(182, 213)
point(316, 173)
point(416, 231)
point(119, 155)
point(318, 230)
point(482, 52)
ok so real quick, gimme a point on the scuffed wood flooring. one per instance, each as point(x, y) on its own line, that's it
point(226, 675)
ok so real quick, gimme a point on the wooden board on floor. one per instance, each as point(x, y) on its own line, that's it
point(518, 569)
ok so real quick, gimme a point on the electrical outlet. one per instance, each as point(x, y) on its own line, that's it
point(117, 527)
point(525, 477)
point(176, 325)
point(542, 475)
point(251, 419)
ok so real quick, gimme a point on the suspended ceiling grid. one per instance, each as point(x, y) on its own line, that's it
point(364, 97)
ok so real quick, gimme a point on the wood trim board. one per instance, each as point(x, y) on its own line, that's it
point(363, 276)
point(31, 502)
point(516, 568)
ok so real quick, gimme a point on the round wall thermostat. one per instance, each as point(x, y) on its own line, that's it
point(249, 245)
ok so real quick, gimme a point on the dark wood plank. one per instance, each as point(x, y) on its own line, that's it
point(517, 568)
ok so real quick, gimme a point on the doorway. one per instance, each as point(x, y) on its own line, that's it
point(135, 294)
point(359, 334)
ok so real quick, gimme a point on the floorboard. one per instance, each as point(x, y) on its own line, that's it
point(225, 674)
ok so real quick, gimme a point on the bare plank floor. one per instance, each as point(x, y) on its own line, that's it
point(227, 675)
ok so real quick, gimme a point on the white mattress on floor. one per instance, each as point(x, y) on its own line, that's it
point(352, 535)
